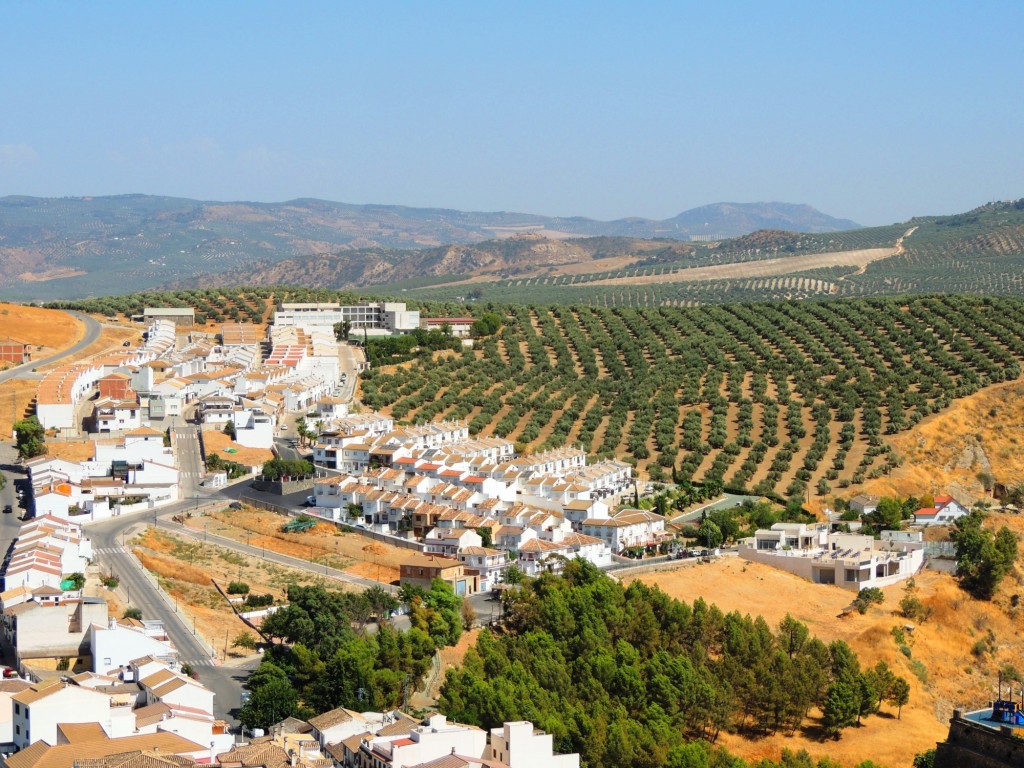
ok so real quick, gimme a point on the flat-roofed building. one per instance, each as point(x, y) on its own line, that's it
point(381, 317)
point(177, 315)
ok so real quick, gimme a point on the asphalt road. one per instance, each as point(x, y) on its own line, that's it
point(92, 333)
point(225, 682)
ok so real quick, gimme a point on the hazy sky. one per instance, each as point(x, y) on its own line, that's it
point(872, 111)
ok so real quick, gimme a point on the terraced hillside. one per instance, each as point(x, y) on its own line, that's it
point(787, 398)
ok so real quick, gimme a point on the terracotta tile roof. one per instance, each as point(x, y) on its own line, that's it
point(78, 732)
point(38, 690)
point(330, 719)
point(402, 724)
point(42, 755)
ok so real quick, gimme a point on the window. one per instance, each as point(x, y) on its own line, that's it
point(17, 708)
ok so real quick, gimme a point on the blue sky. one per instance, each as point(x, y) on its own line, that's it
point(870, 111)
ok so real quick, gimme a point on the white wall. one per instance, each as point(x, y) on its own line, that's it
point(115, 646)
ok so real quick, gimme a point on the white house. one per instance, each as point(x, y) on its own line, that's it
point(519, 745)
point(489, 565)
point(254, 428)
point(426, 742)
point(7, 689)
point(864, 504)
point(39, 709)
point(175, 689)
point(448, 541)
point(115, 645)
point(848, 560)
point(628, 528)
point(945, 512)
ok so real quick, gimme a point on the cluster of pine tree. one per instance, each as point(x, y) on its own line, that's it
point(326, 659)
point(629, 677)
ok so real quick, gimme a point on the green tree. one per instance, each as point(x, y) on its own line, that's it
point(983, 559)
point(709, 534)
point(342, 330)
point(486, 536)
point(229, 429)
point(868, 597)
point(899, 696)
point(77, 580)
point(842, 707)
point(30, 438)
point(244, 639)
point(887, 516)
point(268, 704)
point(925, 759)
point(132, 613)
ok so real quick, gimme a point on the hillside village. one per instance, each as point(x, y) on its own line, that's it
point(466, 510)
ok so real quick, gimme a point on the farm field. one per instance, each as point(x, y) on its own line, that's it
point(789, 398)
point(952, 675)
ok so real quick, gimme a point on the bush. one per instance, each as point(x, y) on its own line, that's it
point(868, 597)
point(912, 608)
point(238, 588)
point(259, 601)
point(111, 582)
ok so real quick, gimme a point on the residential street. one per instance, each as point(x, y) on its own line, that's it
point(107, 537)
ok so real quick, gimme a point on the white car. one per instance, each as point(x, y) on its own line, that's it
point(311, 501)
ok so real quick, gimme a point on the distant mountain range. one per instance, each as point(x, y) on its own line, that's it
point(72, 247)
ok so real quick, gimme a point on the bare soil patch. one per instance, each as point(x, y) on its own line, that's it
point(186, 570)
point(764, 268)
point(344, 551)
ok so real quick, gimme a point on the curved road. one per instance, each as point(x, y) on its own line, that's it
point(92, 333)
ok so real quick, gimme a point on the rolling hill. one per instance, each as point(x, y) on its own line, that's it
point(71, 247)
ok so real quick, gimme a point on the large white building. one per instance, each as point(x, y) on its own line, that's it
point(847, 560)
point(374, 317)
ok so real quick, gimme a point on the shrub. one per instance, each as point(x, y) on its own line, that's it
point(912, 608)
point(111, 582)
point(238, 588)
point(868, 597)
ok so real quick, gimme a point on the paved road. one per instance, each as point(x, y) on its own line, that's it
point(225, 682)
point(92, 333)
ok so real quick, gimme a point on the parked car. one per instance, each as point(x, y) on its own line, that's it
point(235, 505)
point(126, 344)
point(8, 509)
point(311, 501)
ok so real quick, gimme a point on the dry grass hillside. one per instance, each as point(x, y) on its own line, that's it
point(954, 655)
point(982, 433)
